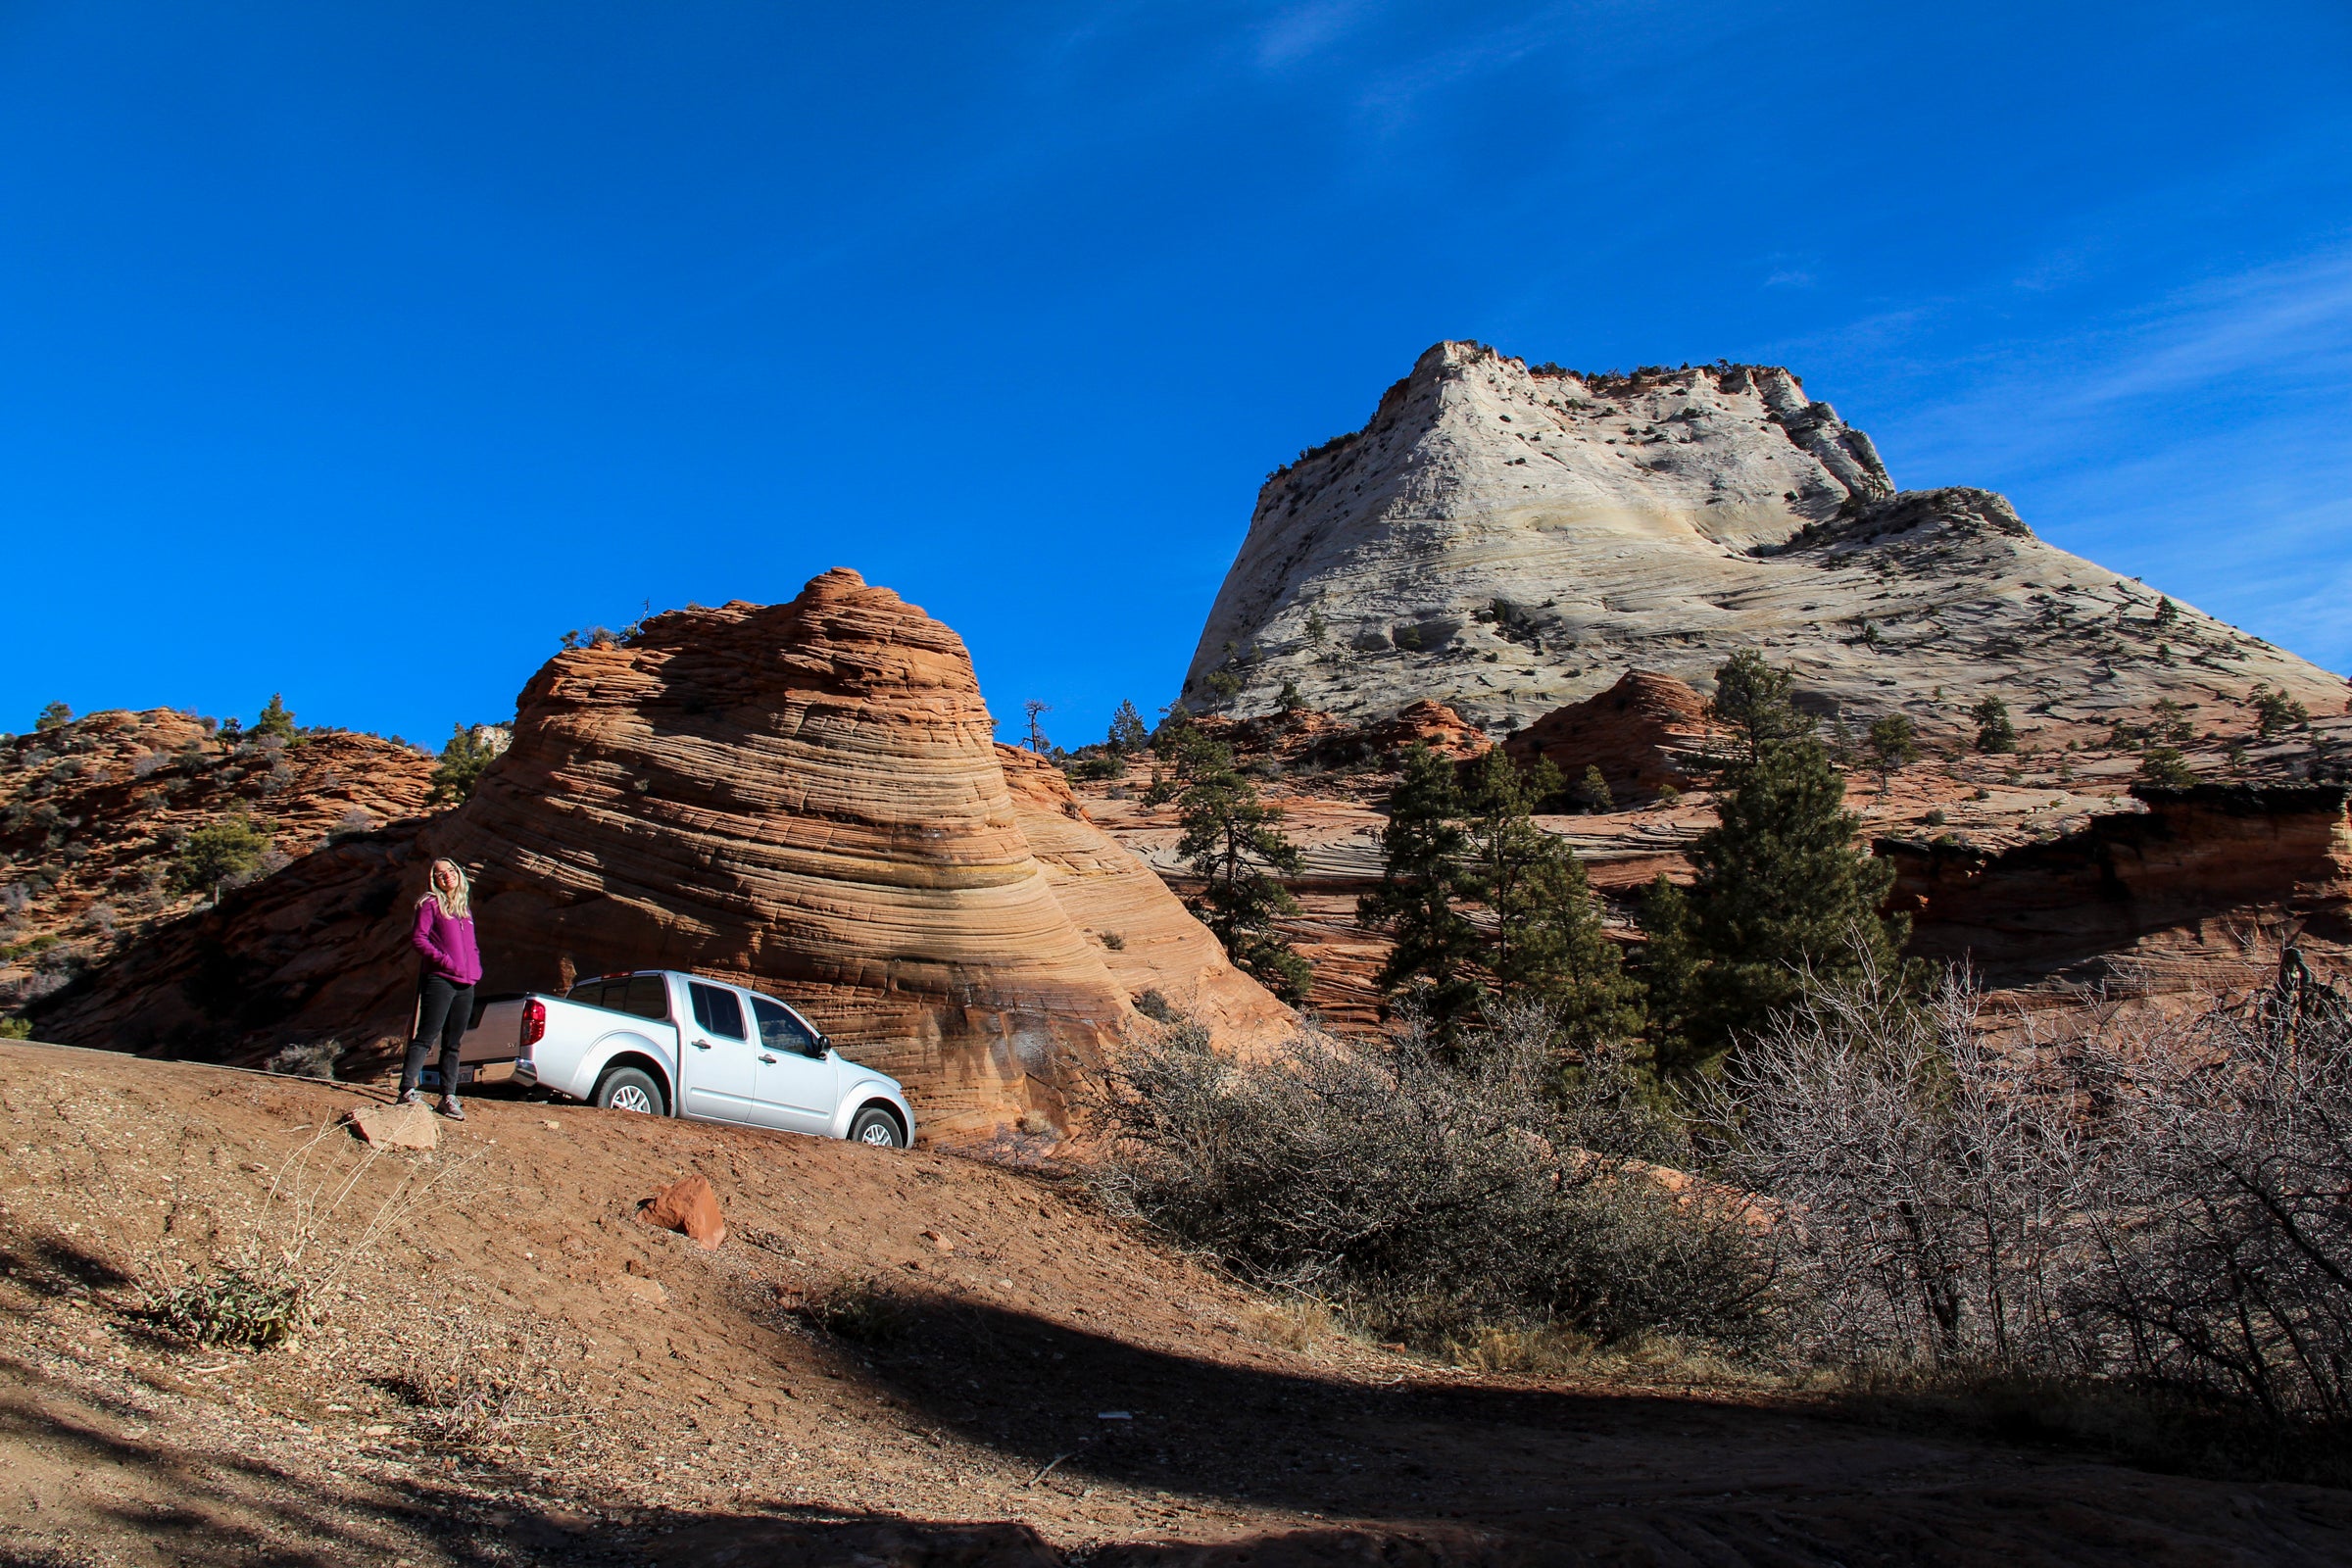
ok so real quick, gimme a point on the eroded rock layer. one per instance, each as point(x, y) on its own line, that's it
point(804, 797)
point(2196, 892)
point(1508, 540)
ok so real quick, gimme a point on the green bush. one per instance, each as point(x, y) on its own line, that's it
point(222, 854)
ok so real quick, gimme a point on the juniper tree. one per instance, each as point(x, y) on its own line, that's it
point(1233, 842)
point(222, 854)
point(1782, 889)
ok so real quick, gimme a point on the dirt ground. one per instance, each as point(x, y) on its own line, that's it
point(517, 1370)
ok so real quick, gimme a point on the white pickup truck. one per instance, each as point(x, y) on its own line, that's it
point(678, 1045)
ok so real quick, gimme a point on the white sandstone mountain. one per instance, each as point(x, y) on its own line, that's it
point(1507, 540)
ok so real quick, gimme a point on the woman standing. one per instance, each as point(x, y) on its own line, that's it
point(444, 934)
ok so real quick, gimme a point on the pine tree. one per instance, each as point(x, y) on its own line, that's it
point(1421, 852)
point(1127, 733)
point(1783, 887)
point(463, 760)
point(1544, 937)
point(1893, 746)
point(1596, 789)
point(274, 719)
point(1233, 842)
point(1995, 734)
point(1752, 701)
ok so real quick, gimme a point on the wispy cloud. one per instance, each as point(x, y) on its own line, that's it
point(2196, 440)
point(1301, 31)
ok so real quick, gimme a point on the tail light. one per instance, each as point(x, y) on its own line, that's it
point(534, 1023)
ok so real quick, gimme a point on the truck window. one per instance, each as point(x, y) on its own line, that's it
point(719, 1012)
point(779, 1030)
point(645, 995)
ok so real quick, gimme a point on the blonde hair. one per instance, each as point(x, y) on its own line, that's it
point(456, 903)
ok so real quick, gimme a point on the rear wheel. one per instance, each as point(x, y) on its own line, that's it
point(630, 1089)
point(876, 1128)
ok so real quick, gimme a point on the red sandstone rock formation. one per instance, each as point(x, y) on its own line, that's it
point(804, 796)
point(92, 812)
point(1148, 942)
point(1640, 733)
point(1431, 724)
point(2197, 893)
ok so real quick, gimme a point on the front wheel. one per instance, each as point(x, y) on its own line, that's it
point(876, 1128)
point(629, 1089)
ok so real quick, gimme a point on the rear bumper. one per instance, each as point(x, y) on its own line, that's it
point(480, 1072)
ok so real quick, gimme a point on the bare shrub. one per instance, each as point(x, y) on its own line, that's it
point(2164, 1204)
point(307, 1059)
point(862, 1310)
point(1422, 1198)
point(473, 1384)
point(321, 1214)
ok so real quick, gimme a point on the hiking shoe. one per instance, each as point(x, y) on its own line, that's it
point(450, 1108)
point(411, 1097)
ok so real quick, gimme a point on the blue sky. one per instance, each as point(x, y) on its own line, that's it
point(357, 351)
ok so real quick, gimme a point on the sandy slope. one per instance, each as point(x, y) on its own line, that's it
point(654, 1402)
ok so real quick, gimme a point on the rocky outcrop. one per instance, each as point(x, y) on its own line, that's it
point(1508, 541)
point(2197, 891)
point(804, 797)
point(94, 814)
point(1642, 733)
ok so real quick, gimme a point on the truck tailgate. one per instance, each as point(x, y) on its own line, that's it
point(496, 1034)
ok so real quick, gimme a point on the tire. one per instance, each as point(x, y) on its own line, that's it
point(876, 1128)
point(630, 1089)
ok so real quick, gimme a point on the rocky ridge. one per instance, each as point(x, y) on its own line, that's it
point(806, 797)
point(93, 813)
point(1507, 540)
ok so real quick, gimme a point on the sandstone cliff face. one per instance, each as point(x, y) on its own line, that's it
point(1508, 541)
point(804, 796)
point(1149, 940)
point(2197, 892)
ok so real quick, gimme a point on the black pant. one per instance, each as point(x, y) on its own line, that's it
point(444, 1008)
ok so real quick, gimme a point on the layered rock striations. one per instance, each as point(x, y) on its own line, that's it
point(1507, 541)
point(1148, 942)
point(804, 796)
point(2197, 891)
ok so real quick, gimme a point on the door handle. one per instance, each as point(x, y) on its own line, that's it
point(764, 1057)
point(702, 1044)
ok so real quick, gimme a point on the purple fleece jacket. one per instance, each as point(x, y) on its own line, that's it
point(447, 943)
